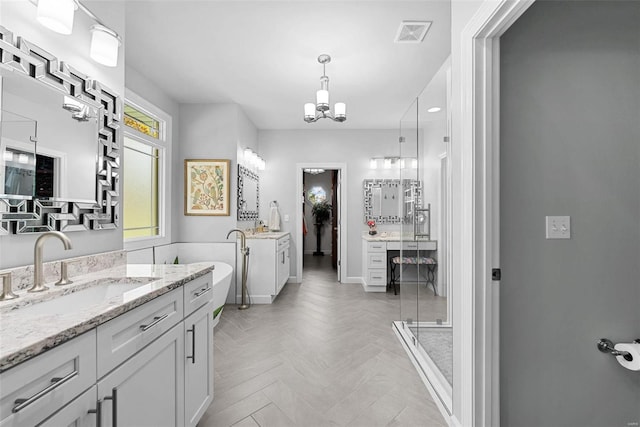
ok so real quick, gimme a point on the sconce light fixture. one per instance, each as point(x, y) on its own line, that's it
point(320, 110)
point(57, 15)
point(253, 161)
point(389, 162)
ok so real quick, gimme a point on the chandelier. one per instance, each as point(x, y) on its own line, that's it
point(320, 110)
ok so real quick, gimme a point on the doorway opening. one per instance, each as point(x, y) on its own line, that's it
point(321, 242)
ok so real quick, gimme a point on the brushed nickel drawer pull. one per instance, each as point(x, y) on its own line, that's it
point(55, 383)
point(156, 320)
point(202, 292)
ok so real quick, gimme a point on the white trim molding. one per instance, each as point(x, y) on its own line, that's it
point(477, 304)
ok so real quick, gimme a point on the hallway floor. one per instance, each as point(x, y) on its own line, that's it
point(323, 354)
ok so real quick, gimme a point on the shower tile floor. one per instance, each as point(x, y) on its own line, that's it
point(323, 354)
point(438, 344)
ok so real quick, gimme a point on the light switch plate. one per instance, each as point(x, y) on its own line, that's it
point(286, 218)
point(558, 227)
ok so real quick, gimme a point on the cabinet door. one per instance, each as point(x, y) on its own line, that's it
point(148, 389)
point(198, 370)
point(82, 412)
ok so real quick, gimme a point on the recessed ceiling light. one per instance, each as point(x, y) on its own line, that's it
point(434, 109)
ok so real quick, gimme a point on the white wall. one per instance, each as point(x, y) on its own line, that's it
point(207, 131)
point(322, 180)
point(283, 149)
point(19, 17)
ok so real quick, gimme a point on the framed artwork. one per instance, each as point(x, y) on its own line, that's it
point(206, 187)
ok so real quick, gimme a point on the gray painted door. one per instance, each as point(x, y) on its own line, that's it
point(570, 145)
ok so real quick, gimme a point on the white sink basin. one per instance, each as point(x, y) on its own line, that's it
point(99, 293)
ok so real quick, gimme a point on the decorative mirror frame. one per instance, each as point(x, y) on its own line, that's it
point(369, 184)
point(32, 215)
point(246, 215)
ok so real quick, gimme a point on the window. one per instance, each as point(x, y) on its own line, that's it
point(146, 160)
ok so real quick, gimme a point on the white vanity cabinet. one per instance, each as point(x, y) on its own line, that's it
point(375, 259)
point(269, 263)
point(148, 389)
point(374, 263)
point(150, 366)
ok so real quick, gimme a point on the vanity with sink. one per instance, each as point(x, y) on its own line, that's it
point(127, 345)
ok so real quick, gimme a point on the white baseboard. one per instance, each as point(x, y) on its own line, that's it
point(257, 299)
point(356, 280)
point(326, 252)
point(454, 422)
point(374, 288)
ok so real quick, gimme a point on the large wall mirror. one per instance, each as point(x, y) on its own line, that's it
point(248, 194)
point(59, 144)
point(385, 201)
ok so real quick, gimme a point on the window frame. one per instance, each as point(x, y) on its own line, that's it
point(164, 146)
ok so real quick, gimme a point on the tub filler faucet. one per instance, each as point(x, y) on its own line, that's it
point(244, 250)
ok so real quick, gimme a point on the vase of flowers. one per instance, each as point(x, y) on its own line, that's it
point(372, 227)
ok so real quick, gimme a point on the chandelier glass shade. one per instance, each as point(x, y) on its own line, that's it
point(321, 109)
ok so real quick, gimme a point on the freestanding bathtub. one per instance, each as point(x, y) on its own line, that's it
point(222, 274)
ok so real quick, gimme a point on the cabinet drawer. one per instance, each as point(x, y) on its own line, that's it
point(197, 293)
point(377, 260)
point(77, 412)
point(283, 243)
point(376, 246)
point(120, 338)
point(377, 277)
point(37, 388)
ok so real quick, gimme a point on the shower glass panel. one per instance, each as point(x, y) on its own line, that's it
point(425, 303)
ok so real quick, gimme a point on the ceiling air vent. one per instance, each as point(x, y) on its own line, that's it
point(412, 31)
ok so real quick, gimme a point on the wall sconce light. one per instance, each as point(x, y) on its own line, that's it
point(253, 161)
point(389, 161)
point(57, 15)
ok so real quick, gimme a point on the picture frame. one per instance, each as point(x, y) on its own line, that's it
point(207, 187)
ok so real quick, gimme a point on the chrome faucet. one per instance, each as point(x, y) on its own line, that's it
point(38, 276)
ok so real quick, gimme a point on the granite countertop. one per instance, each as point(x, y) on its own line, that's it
point(268, 235)
point(26, 330)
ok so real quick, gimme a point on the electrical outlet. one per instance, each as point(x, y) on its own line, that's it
point(286, 218)
point(558, 227)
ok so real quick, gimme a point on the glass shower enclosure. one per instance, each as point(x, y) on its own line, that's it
point(422, 265)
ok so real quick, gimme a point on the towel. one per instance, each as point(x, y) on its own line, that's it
point(274, 219)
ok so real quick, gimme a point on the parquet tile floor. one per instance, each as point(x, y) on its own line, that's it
point(323, 354)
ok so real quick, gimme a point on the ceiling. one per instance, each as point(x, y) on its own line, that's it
point(262, 55)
